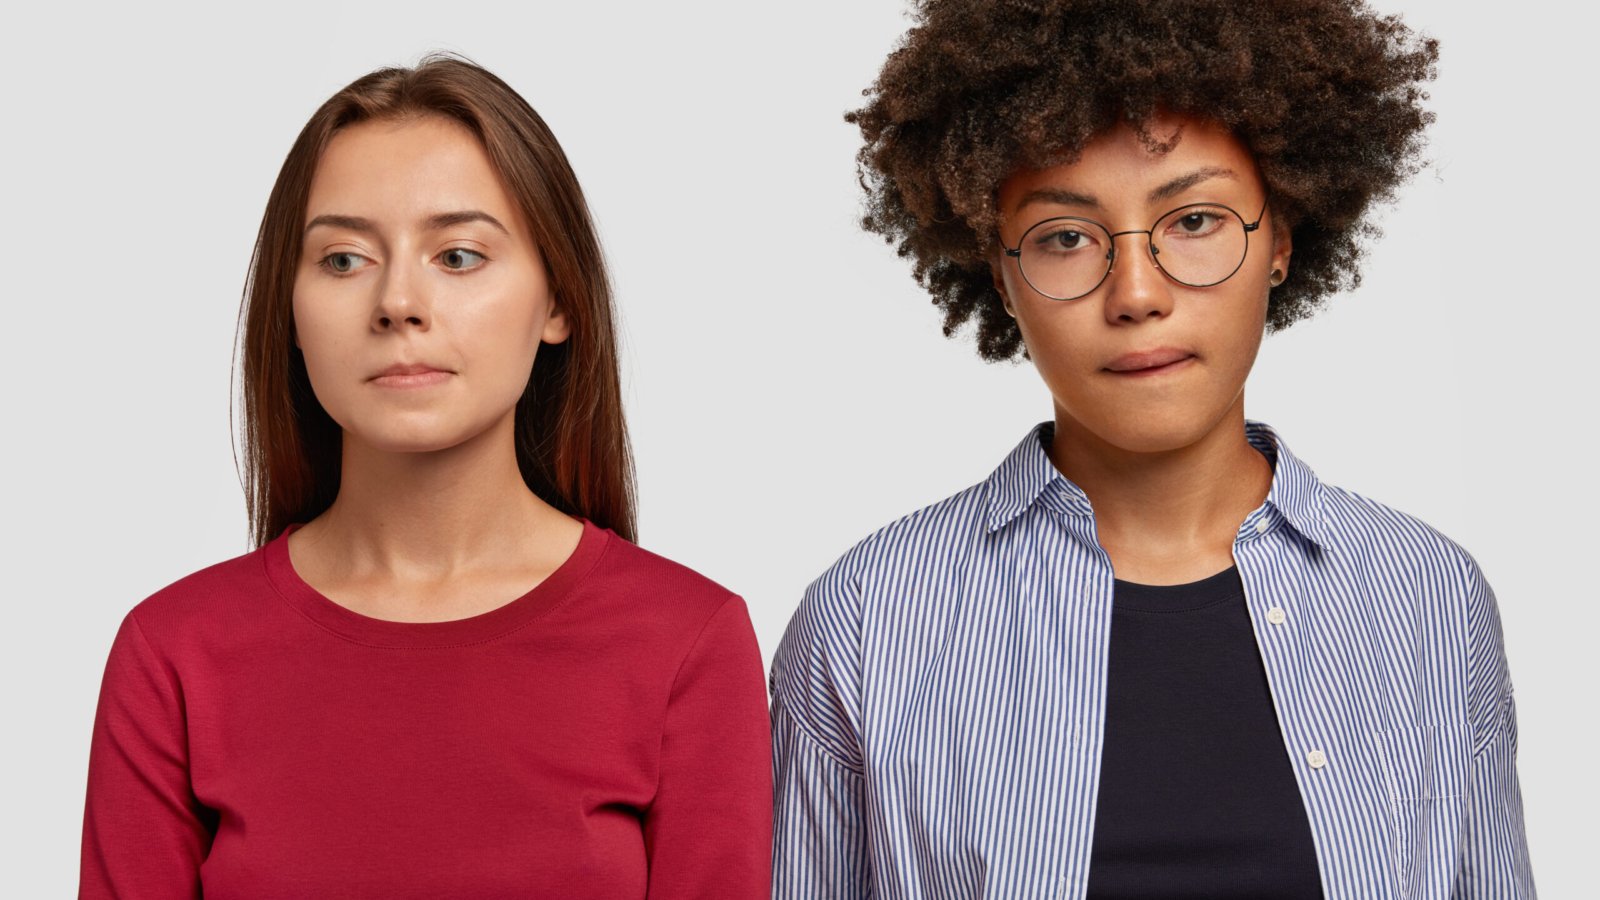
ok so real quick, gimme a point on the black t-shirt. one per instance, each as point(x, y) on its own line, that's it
point(1196, 795)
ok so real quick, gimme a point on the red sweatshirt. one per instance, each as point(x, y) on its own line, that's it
point(604, 735)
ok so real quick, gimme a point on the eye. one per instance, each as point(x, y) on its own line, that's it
point(341, 263)
point(1063, 237)
point(461, 259)
point(1196, 223)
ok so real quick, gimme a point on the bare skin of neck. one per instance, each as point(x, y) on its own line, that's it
point(1168, 517)
point(434, 536)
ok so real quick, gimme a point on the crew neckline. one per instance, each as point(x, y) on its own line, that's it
point(498, 622)
point(1207, 592)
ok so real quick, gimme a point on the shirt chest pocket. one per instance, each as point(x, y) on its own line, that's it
point(1424, 771)
point(1424, 762)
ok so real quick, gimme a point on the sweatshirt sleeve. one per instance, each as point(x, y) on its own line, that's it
point(144, 833)
point(708, 832)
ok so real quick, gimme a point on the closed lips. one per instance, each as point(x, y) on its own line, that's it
point(1147, 359)
point(408, 369)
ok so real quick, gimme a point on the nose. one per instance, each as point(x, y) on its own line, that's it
point(1136, 289)
point(401, 301)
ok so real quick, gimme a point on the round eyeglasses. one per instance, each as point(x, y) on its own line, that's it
point(1198, 245)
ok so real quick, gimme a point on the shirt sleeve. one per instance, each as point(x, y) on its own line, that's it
point(1494, 860)
point(820, 846)
point(708, 831)
point(144, 833)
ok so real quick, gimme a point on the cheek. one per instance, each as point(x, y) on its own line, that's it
point(1060, 327)
point(1246, 329)
point(1230, 341)
point(504, 319)
point(330, 321)
point(499, 338)
point(1058, 341)
point(322, 328)
point(506, 305)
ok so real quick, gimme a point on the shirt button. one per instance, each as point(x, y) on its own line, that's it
point(1261, 526)
point(1275, 615)
point(1317, 759)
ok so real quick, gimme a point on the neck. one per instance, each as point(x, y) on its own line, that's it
point(435, 511)
point(1167, 517)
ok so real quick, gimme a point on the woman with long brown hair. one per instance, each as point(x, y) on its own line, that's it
point(444, 670)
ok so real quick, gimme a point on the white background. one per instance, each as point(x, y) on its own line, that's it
point(787, 386)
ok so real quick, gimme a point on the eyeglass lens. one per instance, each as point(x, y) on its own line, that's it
point(1196, 245)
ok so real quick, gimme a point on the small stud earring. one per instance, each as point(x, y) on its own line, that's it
point(1276, 278)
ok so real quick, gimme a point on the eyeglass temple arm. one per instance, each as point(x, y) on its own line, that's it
point(1249, 227)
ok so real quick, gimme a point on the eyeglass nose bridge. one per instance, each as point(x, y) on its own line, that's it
point(1150, 235)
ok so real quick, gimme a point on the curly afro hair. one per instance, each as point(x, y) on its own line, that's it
point(1326, 94)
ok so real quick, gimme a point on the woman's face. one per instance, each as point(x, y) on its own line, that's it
point(1096, 353)
point(419, 297)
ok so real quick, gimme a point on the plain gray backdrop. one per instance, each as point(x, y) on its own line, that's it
point(787, 386)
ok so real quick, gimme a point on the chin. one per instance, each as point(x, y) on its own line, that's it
point(1152, 440)
point(1150, 431)
point(412, 443)
point(407, 434)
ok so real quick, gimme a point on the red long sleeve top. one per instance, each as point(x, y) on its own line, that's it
point(605, 735)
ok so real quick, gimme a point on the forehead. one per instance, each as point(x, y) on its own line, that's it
point(1117, 167)
point(396, 171)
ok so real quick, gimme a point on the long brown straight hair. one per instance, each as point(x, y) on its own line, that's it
point(571, 442)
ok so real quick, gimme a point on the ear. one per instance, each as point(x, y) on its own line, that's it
point(995, 262)
point(1282, 248)
point(557, 327)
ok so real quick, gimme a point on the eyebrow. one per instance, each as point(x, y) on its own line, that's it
point(1058, 196)
point(1183, 182)
point(432, 223)
point(1164, 192)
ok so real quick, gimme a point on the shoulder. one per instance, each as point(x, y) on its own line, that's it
point(687, 627)
point(817, 670)
point(665, 592)
point(202, 601)
point(1380, 537)
point(1429, 590)
point(924, 545)
point(1433, 596)
point(928, 537)
point(915, 546)
point(1373, 539)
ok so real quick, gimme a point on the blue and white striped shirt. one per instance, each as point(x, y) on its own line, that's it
point(938, 700)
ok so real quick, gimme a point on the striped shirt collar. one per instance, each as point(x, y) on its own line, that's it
point(1027, 476)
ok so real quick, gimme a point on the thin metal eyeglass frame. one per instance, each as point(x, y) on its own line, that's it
point(1149, 233)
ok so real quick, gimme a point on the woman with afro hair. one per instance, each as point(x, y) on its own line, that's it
point(1151, 655)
